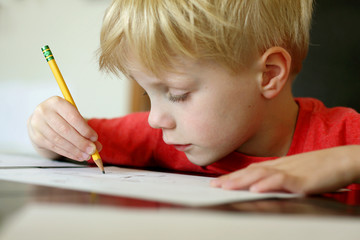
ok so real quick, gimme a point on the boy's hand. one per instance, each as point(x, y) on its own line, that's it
point(306, 173)
point(56, 127)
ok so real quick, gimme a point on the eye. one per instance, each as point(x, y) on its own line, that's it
point(178, 98)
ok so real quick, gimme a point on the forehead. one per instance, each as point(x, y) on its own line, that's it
point(180, 68)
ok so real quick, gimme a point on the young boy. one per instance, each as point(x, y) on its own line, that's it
point(219, 76)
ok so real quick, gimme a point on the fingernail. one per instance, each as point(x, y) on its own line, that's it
point(93, 138)
point(214, 183)
point(227, 185)
point(253, 188)
point(85, 156)
point(90, 150)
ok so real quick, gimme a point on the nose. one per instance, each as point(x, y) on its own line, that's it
point(160, 117)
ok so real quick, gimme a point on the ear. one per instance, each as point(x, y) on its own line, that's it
point(275, 65)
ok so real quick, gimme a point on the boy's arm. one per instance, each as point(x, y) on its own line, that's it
point(57, 129)
point(307, 173)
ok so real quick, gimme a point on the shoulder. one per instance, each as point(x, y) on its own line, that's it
point(320, 126)
point(317, 110)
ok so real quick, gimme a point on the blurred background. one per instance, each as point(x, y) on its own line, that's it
point(331, 71)
point(71, 28)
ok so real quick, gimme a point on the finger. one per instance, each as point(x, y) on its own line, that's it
point(98, 146)
point(45, 113)
point(75, 129)
point(66, 131)
point(30, 128)
point(58, 132)
point(272, 183)
point(71, 115)
point(247, 178)
point(219, 181)
point(46, 144)
point(279, 182)
point(51, 140)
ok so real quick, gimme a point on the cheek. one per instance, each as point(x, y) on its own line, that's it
point(218, 116)
point(230, 123)
point(204, 127)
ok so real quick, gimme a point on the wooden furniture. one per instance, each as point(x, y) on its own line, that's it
point(139, 100)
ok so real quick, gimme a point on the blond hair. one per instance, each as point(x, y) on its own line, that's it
point(231, 32)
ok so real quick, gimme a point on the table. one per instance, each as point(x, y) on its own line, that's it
point(43, 212)
point(14, 195)
point(337, 208)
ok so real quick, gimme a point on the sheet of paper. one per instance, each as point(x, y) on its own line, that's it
point(159, 186)
point(57, 222)
point(18, 161)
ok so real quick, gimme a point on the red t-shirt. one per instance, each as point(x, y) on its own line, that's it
point(130, 141)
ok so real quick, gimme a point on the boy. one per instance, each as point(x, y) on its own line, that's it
point(219, 75)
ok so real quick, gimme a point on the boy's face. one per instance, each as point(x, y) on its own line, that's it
point(206, 111)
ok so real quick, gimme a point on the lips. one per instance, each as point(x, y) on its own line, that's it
point(181, 147)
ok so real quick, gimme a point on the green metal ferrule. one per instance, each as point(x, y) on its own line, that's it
point(47, 53)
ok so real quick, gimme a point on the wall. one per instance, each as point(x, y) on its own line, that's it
point(331, 71)
point(71, 29)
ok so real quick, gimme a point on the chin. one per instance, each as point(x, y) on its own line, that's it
point(201, 160)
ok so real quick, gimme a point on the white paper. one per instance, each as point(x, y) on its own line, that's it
point(58, 222)
point(158, 186)
point(14, 161)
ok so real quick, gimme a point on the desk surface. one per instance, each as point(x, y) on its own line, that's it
point(40, 212)
point(14, 195)
point(55, 213)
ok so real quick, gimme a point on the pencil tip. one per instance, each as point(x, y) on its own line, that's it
point(103, 171)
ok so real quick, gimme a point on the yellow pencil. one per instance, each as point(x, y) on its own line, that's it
point(66, 93)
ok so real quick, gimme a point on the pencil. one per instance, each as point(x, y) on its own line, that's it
point(66, 93)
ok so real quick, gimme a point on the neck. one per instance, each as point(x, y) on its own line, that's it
point(276, 131)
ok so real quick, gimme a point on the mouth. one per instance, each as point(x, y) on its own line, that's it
point(181, 147)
